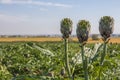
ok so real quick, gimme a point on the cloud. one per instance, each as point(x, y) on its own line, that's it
point(35, 3)
point(6, 1)
point(13, 19)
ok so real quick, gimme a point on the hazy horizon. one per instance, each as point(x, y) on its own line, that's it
point(42, 17)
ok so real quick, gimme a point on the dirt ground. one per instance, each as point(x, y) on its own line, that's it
point(43, 39)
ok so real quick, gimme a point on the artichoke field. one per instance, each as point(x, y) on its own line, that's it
point(34, 61)
point(66, 59)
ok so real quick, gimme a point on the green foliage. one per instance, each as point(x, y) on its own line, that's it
point(45, 60)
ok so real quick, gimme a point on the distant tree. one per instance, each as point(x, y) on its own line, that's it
point(95, 37)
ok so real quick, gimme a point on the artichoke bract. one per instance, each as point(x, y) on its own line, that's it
point(106, 26)
point(66, 27)
point(83, 29)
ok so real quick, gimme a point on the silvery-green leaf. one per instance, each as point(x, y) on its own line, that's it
point(44, 51)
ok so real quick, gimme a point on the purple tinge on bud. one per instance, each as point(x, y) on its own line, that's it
point(66, 27)
point(106, 26)
point(83, 29)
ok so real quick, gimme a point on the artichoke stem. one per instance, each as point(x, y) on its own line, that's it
point(103, 54)
point(84, 61)
point(67, 59)
point(102, 58)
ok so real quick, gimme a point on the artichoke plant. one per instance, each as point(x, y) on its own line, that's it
point(66, 27)
point(83, 29)
point(66, 30)
point(106, 26)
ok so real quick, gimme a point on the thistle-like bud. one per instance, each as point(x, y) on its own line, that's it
point(66, 27)
point(106, 26)
point(51, 74)
point(62, 71)
point(83, 29)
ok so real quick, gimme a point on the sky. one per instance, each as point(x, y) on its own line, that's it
point(39, 17)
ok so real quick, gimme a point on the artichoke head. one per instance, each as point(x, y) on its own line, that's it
point(66, 27)
point(106, 26)
point(83, 29)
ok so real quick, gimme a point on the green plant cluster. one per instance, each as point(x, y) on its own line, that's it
point(25, 61)
point(106, 26)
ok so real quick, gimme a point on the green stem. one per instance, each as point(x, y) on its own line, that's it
point(67, 59)
point(84, 61)
point(102, 58)
point(100, 72)
point(103, 54)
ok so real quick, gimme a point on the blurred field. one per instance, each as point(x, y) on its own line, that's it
point(43, 39)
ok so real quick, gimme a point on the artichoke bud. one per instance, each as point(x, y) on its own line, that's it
point(62, 71)
point(83, 29)
point(106, 26)
point(66, 27)
point(50, 74)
